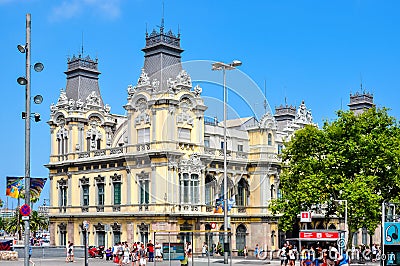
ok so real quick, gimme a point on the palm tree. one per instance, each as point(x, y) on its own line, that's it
point(14, 224)
point(38, 222)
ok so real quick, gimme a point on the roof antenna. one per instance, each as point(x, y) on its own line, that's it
point(361, 83)
point(147, 33)
point(82, 44)
point(162, 18)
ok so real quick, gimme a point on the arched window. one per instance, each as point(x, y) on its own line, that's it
point(210, 184)
point(269, 139)
point(93, 139)
point(242, 193)
point(62, 141)
point(241, 237)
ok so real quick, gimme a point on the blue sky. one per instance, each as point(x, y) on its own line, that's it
point(317, 51)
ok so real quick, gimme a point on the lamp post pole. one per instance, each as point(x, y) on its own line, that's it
point(345, 218)
point(224, 67)
point(27, 133)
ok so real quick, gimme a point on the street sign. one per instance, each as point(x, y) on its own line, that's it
point(86, 225)
point(213, 225)
point(25, 218)
point(25, 210)
point(305, 217)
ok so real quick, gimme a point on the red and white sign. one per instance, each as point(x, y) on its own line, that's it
point(213, 225)
point(305, 217)
point(25, 210)
point(319, 235)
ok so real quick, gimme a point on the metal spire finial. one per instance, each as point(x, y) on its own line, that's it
point(162, 18)
point(82, 44)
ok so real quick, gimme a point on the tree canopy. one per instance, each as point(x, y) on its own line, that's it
point(355, 158)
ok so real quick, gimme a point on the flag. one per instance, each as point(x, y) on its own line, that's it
point(231, 203)
point(219, 205)
point(36, 187)
point(14, 186)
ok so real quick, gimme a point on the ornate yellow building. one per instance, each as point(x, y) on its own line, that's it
point(159, 168)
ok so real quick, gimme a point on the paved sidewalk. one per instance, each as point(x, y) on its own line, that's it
point(197, 261)
point(95, 262)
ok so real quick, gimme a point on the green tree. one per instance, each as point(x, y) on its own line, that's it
point(38, 222)
point(354, 158)
point(14, 224)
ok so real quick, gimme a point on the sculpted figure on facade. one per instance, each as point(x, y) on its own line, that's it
point(156, 85)
point(197, 90)
point(183, 80)
point(93, 99)
point(71, 104)
point(63, 99)
point(143, 80)
point(79, 104)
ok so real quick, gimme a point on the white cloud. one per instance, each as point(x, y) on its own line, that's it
point(68, 9)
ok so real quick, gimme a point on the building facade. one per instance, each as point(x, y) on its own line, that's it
point(157, 172)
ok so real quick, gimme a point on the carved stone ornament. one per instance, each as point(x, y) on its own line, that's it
point(184, 116)
point(197, 90)
point(267, 121)
point(193, 165)
point(143, 80)
point(131, 89)
point(303, 114)
point(99, 227)
point(141, 106)
point(116, 227)
point(183, 80)
point(62, 100)
point(79, 104)
point(171, 84)
point(84, 181)
point(92, 99)
point(107, 108)
point(156, 85)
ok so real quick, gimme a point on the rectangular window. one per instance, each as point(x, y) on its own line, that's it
point(186, 191)
point(85, 195)
point(63, 238)
point(209, 193)
point(240, 147)
point(144, 192)
point(117, 193)
point(101, 238)
point(100, 191)
point(207, 142)
point(63, 196)
point(184, 134)
point(117, 236)
point(222, 145)
point(143, 135)
point(195, 190)
point(280, 147)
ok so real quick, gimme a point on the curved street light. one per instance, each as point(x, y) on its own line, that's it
point(224, 67)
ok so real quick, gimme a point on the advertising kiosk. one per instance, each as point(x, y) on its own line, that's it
point(310, 236)
point(391, 243)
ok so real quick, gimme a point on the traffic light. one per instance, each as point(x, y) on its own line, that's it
point(37, 117)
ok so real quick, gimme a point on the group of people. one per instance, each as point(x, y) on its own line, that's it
point(138, 254)
point(314, 255)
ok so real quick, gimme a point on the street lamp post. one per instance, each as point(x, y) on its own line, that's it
point(224, 67)
point(26, 81)
point(345, 217)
